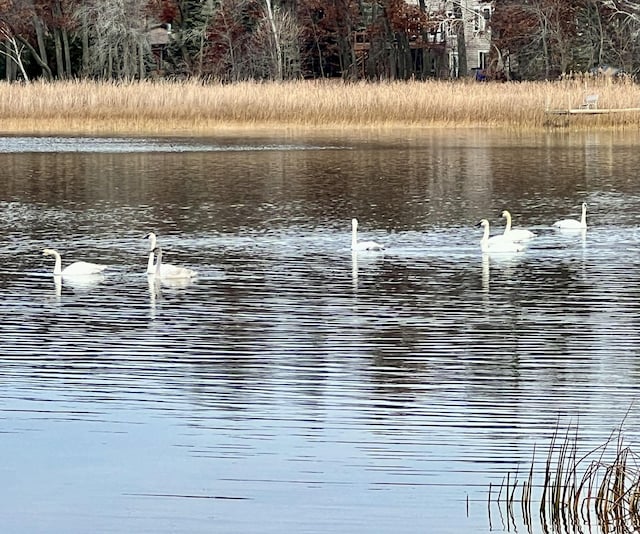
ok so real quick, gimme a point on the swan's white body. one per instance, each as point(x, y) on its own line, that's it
point(515, 234)
point(572, 224)
point(361, 245)
point(497, 243)
point(78, 268)
point(167, 271)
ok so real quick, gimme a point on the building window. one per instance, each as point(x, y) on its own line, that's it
point(478, 22)
point(453, 64)
point(481, 19)
point(483, 59)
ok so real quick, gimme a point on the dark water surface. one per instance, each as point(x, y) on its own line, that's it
point(292, 387)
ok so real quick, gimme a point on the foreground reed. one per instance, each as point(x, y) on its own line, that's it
point(194, 108)
point(600, 488)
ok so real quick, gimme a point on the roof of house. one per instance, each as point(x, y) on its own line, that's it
point(159, 35)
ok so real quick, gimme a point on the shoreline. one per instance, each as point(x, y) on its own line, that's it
point(195, 109)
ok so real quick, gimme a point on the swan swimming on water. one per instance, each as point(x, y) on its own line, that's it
point(167, 268)
point(78, 268)
point(515, 234)
point(167, 271)
point(497, 243)
point(361, 245)
point(572, 224)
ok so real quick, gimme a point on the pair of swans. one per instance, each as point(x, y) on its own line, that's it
point(498, 243)
point(164, 270)
point(512, 240)
point(157, 269)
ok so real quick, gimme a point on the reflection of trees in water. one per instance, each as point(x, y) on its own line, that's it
point(378, 182)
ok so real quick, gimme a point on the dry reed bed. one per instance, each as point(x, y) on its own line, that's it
point(195, 107)
point(600, 487)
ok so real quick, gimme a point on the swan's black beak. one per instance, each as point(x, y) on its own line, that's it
point(478, 225)
point(147, 236)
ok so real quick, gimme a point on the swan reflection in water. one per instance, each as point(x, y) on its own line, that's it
point(370, 262)
point(156, 284)
point(78, 284)
point(354, 267)
point(505, 261)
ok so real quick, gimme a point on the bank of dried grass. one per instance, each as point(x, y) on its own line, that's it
point(192, 107)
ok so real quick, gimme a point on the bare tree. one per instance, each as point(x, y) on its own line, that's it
point(276, 39)
point(623, 33)
point(13, 50)
point(626, 8)
point(275, 49)
point(116, 32)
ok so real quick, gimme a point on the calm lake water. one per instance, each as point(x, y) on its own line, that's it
point(292, 387)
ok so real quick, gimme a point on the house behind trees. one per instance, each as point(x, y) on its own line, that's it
point(465, 31)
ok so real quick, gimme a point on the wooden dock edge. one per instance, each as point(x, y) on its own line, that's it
point(583, 111)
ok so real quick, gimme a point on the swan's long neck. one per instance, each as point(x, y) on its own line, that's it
point(152, 245)
point(150, 266)
point(152, 241)
point(484, 242)
point(354, 234)
point(507, 228)
point(583, 220)
point(158, 262)
point(57, 268)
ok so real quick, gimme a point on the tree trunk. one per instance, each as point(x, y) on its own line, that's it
point(463, 68)
point(545, 46)
point(63, 35)
point(10, 66)
point(66, 52)
point(142, 70)
point(59, 61)
point(85, 45)
point(276, 40)
point(41, 55)
point(45, 68)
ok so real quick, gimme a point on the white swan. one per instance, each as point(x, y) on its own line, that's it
point(361, 245)
point(515, 234)
point(78, 268)
point(497, 243)
point(572, 224)
point(168, 271)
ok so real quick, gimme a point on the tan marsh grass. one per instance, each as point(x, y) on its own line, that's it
point(580, 489)
point(195, 108)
